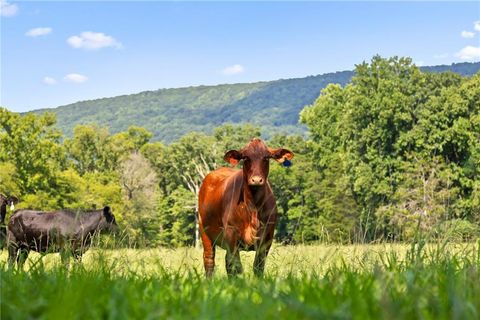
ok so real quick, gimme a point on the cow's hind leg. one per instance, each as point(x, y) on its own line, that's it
point(12, 248)
point(233, 262)
point(208, 255)
point(65, 257)
point(12, 253)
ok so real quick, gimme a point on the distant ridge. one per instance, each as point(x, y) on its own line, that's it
point(170, 113)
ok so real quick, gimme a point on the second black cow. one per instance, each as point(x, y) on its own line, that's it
point(5, 201)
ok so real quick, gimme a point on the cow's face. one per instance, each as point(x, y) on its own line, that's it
point(256, 156)
point(10, 201)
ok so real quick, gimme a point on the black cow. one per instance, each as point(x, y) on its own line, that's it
point(4, 203)
point(62, 231)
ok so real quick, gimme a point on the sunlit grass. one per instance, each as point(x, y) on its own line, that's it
point(301, 282)
point(282, 261)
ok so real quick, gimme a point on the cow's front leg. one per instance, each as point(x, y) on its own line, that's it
point(65, 257)
point(261, 256)
point(12, 248)
point(232, 261)
point(12, 254)
point(78, 248)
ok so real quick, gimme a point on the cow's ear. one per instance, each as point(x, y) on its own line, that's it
point(232, 157)
point(281, 155)
point(107, 212)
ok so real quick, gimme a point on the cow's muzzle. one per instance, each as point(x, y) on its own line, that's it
point(256, 181)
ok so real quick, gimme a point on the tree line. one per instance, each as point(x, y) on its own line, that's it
point(392, 155)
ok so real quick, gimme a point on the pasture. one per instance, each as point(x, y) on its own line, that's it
point(435, 281)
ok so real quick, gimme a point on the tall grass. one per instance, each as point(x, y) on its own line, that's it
point(301, 282)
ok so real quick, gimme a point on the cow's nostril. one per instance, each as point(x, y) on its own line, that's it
point(256, 180)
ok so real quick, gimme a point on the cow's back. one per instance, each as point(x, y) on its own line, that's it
point(30, 225)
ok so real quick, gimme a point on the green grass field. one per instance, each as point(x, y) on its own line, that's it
point(301, 282)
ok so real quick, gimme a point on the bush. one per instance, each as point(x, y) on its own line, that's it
point(458, 230)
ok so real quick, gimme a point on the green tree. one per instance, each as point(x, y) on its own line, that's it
point(140, 188)
point(9, 179)
point(422, 200)
point(177, 219)
point(389, 110)
point(31, 144)
point(89, 149)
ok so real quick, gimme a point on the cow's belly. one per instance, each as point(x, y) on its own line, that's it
point(239, 244)
point(41, 239)
point(45, 241)
point(238, 231)
point(215, 232)
point(228, 236)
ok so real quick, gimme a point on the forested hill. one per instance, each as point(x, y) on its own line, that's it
point(170, 113)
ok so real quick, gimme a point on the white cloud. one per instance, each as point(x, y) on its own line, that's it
point(92, 41)
point(470, 34)
point(8, 9)
point(75, 78)
point(467, 34)
point(469, 53)
point(49, 80)
point(476, 25)
point(440, 56)
point(232, 70)
point(36, 32)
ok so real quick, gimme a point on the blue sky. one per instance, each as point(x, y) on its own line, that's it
point(55, 53)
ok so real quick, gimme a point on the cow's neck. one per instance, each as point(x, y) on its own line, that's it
point(254, 200)
point(254, 195)
point(3, 212)
point(89, 222)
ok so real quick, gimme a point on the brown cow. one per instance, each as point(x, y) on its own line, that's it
point(237, 208)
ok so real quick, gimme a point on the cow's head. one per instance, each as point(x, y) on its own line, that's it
point(110, 224)
point(9, 201)
point(256, 156)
